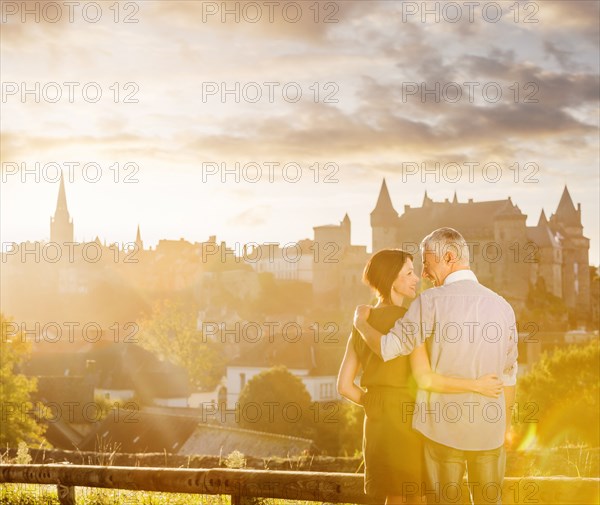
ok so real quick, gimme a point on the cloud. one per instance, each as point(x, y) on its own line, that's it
point(253, 216)
point(577, 16)
point(305, 21)
point(555, 89)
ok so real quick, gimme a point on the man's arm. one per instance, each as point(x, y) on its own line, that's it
point(487, 385)
point(509, 402)
point(369, 334)
point(509, 375)
point(400, 340)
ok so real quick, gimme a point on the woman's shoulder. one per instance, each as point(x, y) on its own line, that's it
point(386, 316)
point(388, 310)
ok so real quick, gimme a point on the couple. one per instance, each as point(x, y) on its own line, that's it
point(459, 342)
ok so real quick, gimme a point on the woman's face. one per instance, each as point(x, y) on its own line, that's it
point(406, 282)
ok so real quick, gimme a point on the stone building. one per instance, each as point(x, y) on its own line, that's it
point(506, 254)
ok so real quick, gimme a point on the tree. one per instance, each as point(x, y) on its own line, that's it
point(15, 389)
point(560, 396)
point(338, 428)
point(170, 332)
point(276, 401)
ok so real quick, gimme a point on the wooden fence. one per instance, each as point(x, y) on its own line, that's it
point(293, 485)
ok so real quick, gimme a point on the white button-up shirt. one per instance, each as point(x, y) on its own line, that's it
point(469, 331)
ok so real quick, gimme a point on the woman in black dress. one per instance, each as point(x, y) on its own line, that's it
point(391, 449)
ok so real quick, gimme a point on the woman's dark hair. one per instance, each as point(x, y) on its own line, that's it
point(383, 268)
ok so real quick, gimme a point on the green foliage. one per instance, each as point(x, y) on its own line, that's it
point(235, 459)
point(335, 427)
point(276, 401)
point(338, 428)
point(170, 332)
point(15, 390)
point(103, 405)
point(352, 429)
point(564, 390)
point(23, 456)
point(27, 494)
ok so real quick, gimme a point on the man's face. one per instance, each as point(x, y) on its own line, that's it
point(434, 268)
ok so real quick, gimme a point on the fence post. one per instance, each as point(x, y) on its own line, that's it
point(240, 499)
point(66, 494)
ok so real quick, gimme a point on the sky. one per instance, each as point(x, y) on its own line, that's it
point(148, 106)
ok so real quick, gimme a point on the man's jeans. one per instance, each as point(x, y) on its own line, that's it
point(445, 468)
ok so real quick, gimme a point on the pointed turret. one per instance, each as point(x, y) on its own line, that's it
point(566, 212)
point(61, 225)
point(541, 234)
point(384, 213)
point(455, 199)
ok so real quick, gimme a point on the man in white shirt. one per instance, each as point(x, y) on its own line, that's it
point(469, 331)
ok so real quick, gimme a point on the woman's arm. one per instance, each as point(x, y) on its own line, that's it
point(488, 385)
point(348, 371)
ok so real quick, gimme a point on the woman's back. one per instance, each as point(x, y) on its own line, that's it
point(376, 372)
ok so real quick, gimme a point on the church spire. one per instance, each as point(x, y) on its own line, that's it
point(138, 239)
point(61, 203)
point(384, 212)
point(543, 221)
point(61, 225)
point(455, 199)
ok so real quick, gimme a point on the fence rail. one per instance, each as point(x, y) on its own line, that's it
point(310, 486)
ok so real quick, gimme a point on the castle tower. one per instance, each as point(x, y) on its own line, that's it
point(346, 229)
point(511, 271)
point(567, 216)
point(384, 221)
point(61, 225)
point(567, 227)
point(426, 200)
point(549, 257)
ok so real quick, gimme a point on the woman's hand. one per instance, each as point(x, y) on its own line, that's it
point(489, 385)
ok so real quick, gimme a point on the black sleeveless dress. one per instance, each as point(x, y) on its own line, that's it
point(392, 451)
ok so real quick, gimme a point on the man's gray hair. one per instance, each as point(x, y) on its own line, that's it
point(443, 240)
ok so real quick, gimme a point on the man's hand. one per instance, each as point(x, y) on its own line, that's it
point(361, 314)
point(509, 438)
point(369, 334)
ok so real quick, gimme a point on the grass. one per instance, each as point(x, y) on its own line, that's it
point(33, 494)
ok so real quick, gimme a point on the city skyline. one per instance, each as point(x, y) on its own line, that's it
point(364, 90)
point(62, 211)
